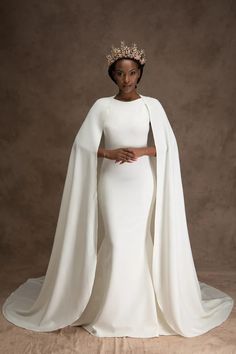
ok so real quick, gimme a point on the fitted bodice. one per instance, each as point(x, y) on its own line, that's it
point(126, 124)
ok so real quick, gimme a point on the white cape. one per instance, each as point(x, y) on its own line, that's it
point(53, 301)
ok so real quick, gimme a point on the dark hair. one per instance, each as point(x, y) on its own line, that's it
point(112, 68)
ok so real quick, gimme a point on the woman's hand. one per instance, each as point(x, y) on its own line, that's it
point(124, 154)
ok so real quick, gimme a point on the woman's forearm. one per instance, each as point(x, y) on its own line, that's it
point(149, 150)
point(102, 152)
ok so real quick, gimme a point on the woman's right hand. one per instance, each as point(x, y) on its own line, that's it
point(121, 154)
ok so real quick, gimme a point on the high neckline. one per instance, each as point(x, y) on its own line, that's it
point(136, 99)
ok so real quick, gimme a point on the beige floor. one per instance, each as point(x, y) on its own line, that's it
point(221, 339)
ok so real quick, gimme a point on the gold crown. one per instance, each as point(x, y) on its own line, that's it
point(126, 52)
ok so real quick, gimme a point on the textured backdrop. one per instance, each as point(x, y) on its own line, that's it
point(53, 68)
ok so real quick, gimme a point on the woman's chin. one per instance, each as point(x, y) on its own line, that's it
point(127, 89)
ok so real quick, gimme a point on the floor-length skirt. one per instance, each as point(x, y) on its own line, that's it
point(123, 299)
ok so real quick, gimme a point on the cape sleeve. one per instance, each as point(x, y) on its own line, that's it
point(190, 307)
point(58, 298)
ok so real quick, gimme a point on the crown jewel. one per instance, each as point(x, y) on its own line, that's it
point(126, 52)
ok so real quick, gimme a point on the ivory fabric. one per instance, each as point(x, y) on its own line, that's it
point(142, 281)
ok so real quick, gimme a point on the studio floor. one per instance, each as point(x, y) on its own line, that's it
point(15, 340)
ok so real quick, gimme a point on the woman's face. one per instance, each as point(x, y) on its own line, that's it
point(126, 74)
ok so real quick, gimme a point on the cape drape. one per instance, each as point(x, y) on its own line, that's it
point(58, 298)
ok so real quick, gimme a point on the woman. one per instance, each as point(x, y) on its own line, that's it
point(141, 281)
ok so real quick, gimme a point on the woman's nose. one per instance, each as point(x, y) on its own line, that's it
point(126, 79)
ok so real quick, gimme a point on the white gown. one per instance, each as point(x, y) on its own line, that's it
point(123, 298)
point(141, 281)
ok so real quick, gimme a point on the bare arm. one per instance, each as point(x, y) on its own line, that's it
point(148, 150)
point(102, 152)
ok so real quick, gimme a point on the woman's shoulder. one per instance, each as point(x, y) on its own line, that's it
point(101, 101)
point(150, 99)
point(99, 104)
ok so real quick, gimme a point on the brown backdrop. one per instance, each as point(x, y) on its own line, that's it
point(53, 68)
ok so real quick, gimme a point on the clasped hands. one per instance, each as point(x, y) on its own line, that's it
point(125, 154)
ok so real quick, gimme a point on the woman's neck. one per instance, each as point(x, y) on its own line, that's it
point(127, 96)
